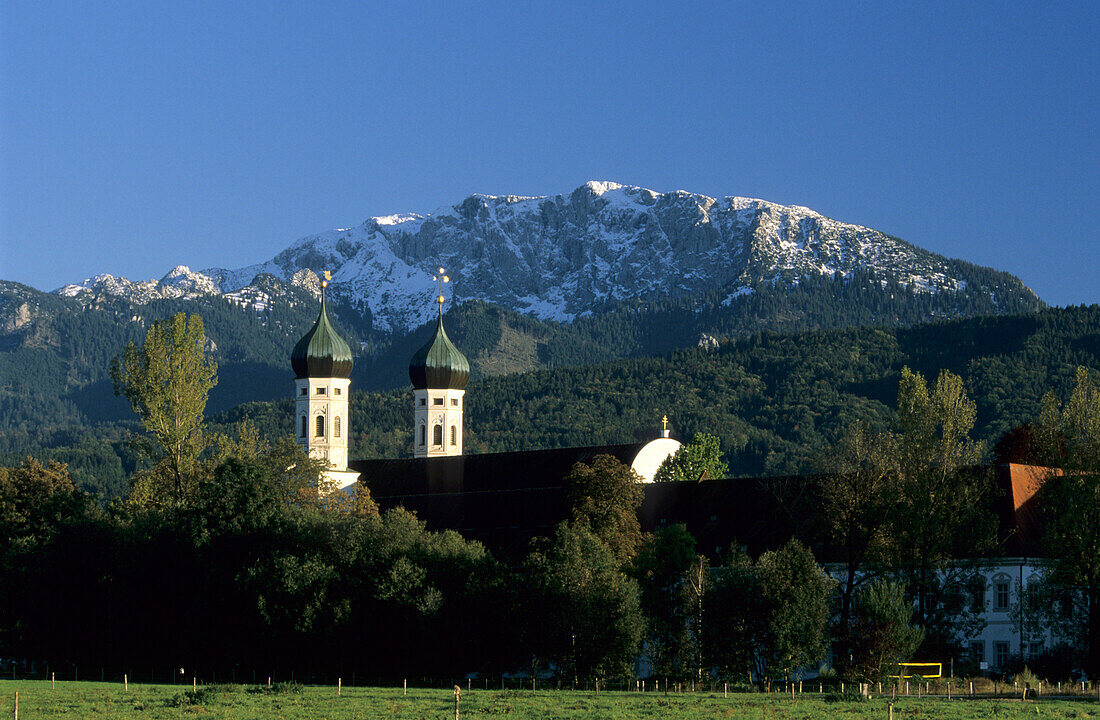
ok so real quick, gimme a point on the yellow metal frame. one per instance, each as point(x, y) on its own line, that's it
point(938, 666)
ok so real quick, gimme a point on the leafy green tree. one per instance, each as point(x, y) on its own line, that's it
point(795, 593)
point(606, 495)
point(859, 491)
point(942, 517)
point(733, 612)
point(167, 381)
point(661, 569)
point(881, 634)
point(583, 612)
point(703, 455)
point(35, 500)
point(768, 617)
point(1070, 505)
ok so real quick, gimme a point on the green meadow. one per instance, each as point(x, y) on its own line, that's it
point(72, 700)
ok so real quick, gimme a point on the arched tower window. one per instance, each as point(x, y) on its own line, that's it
point(302, 432)
point(320, 430)
point(422, 431)
point(336, 426)
point(437, 435)
point(454, 435)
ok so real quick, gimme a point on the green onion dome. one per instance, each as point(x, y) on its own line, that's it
point(322, 353)
point(439, 364)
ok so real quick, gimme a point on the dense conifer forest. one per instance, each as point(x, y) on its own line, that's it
point(776, 400)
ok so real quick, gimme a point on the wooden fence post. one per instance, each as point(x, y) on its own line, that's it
point(125, 681)
point(339, 685)
point(458, 691)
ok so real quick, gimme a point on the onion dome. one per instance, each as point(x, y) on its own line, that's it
point(439, 364)
point(321, 353)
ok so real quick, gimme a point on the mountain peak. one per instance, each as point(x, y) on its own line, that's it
point(563, 256)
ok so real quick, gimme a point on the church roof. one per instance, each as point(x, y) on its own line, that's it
point(439, 364)
point(321, 353)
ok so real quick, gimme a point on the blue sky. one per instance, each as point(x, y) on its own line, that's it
point(135, 136)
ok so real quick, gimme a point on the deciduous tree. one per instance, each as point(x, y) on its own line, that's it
point(859, 491)
point(702, 456)
point(583, 611)
point(942, 518)
point(166, 381)
point(606, 494)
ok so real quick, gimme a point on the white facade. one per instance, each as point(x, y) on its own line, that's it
point(437, 422)
point(321, 424)
point(1003, 637)
point(996, 587)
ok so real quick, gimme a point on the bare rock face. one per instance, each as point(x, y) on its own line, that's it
point(19, 316)
point(707, 342)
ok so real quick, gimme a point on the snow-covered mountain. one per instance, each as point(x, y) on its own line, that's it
point(563, 256)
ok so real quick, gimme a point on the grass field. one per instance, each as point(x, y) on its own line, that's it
point(72, 700)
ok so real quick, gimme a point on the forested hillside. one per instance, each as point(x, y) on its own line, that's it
point(775, 398)
point(54, 350)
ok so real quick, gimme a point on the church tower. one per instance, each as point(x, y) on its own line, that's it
point(439, 372)
point(322, 366)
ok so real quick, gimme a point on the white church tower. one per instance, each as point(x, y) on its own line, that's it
point(322, 365)
point(439, 373)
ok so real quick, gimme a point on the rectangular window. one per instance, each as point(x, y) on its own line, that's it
point(422, 403)
point(1035, 649)
point(454, 401)
point(437, 401)
point(320, 391)
point(977, 595)
point(336, 391)
point(977, 651)
point(303, 392)
point(1000, 654)
point(1001, 595)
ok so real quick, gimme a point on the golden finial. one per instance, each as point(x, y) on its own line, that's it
point(328, 278)
point(664, 422)
point(440, 278)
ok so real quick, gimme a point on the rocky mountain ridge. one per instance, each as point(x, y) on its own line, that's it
point(566, 256)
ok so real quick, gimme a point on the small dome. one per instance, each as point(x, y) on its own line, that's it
point(439, 364)
point(322, 353)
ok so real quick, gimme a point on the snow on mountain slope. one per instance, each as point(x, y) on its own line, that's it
point(562, 256)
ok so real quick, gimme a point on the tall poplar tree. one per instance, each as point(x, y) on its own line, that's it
point(941, 518)
point(167, 381)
